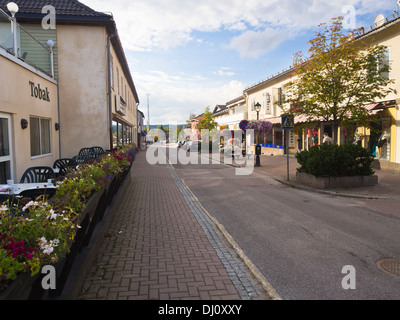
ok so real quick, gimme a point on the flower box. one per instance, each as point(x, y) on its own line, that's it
point(335, 182)
point(27, 287)
point(20, 288)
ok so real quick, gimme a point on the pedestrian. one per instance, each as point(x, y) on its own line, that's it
point(327, 139)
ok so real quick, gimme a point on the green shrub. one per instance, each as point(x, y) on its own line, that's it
point(330, 160)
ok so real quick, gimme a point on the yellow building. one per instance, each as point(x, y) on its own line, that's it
point(269, 94)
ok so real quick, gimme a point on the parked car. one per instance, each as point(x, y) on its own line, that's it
point(229, 149)
point(186, 145)
point(194, 146)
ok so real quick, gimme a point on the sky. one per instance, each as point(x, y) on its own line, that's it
point(185, 55)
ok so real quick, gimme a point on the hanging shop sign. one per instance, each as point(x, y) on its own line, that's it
point(39, 93)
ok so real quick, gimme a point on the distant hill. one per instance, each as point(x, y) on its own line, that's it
point(155, 126)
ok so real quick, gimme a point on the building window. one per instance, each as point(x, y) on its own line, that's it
point(385, 63)
point(5, 148)
point(267, 103)
point(40, 136)
point(122, 134)
point(377, 65)
point(281, 95)
point(253, 103)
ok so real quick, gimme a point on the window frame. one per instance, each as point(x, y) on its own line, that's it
point(42, 151)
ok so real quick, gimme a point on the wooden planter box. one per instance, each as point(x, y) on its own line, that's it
point(20, 288)
point(335, 182)
point(26, 287)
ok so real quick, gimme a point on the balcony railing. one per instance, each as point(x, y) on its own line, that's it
point(17, 41)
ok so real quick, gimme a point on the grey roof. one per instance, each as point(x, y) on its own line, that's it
point(63, 7)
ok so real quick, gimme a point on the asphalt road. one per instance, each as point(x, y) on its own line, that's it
point(300, 240)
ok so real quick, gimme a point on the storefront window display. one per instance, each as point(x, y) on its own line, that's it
point(311, 137)
point(348, 134)
point(379, 139)
point(122, 134)
point(278, 137)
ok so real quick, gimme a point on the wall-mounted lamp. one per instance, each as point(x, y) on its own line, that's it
point(24, 123)
point(57, 126)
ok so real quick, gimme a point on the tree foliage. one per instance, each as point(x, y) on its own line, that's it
point(191, 117)
point(207, 120)
point(341, 75)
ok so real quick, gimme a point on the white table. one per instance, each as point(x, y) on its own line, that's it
point(17, 188)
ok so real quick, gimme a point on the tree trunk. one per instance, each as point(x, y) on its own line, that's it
point(335, 134)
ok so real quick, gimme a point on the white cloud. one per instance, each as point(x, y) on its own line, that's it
point(224, 72)
point(255, 43)
point(145, 25)
point(174, 97)
point(250, 27)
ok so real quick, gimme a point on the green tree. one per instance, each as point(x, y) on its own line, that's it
point(165, 129)
point(341, 74)
point(191, 117)
point(207, 120)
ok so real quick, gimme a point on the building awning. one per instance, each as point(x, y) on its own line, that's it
point(371, 108)
point(377, 107)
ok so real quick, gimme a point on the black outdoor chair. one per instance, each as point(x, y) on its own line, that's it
point(80, 159)
point(99, 151)
point(63, 164)
point(37, 174)
point(87, 152)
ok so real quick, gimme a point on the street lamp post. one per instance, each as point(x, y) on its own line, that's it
point(13, 8)
point(258, 147)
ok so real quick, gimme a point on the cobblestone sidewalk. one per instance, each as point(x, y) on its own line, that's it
point(161, 244)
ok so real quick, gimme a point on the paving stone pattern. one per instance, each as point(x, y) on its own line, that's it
point(162, 245)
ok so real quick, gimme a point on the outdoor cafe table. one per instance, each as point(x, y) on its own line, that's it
point(17, 188)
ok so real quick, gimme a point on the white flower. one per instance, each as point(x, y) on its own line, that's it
point(53, 215)
point(29, 204)
point(48, 250)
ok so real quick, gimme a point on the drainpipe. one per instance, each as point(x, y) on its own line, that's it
point(58, 113)
point(138, 126)
point(109, 88)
